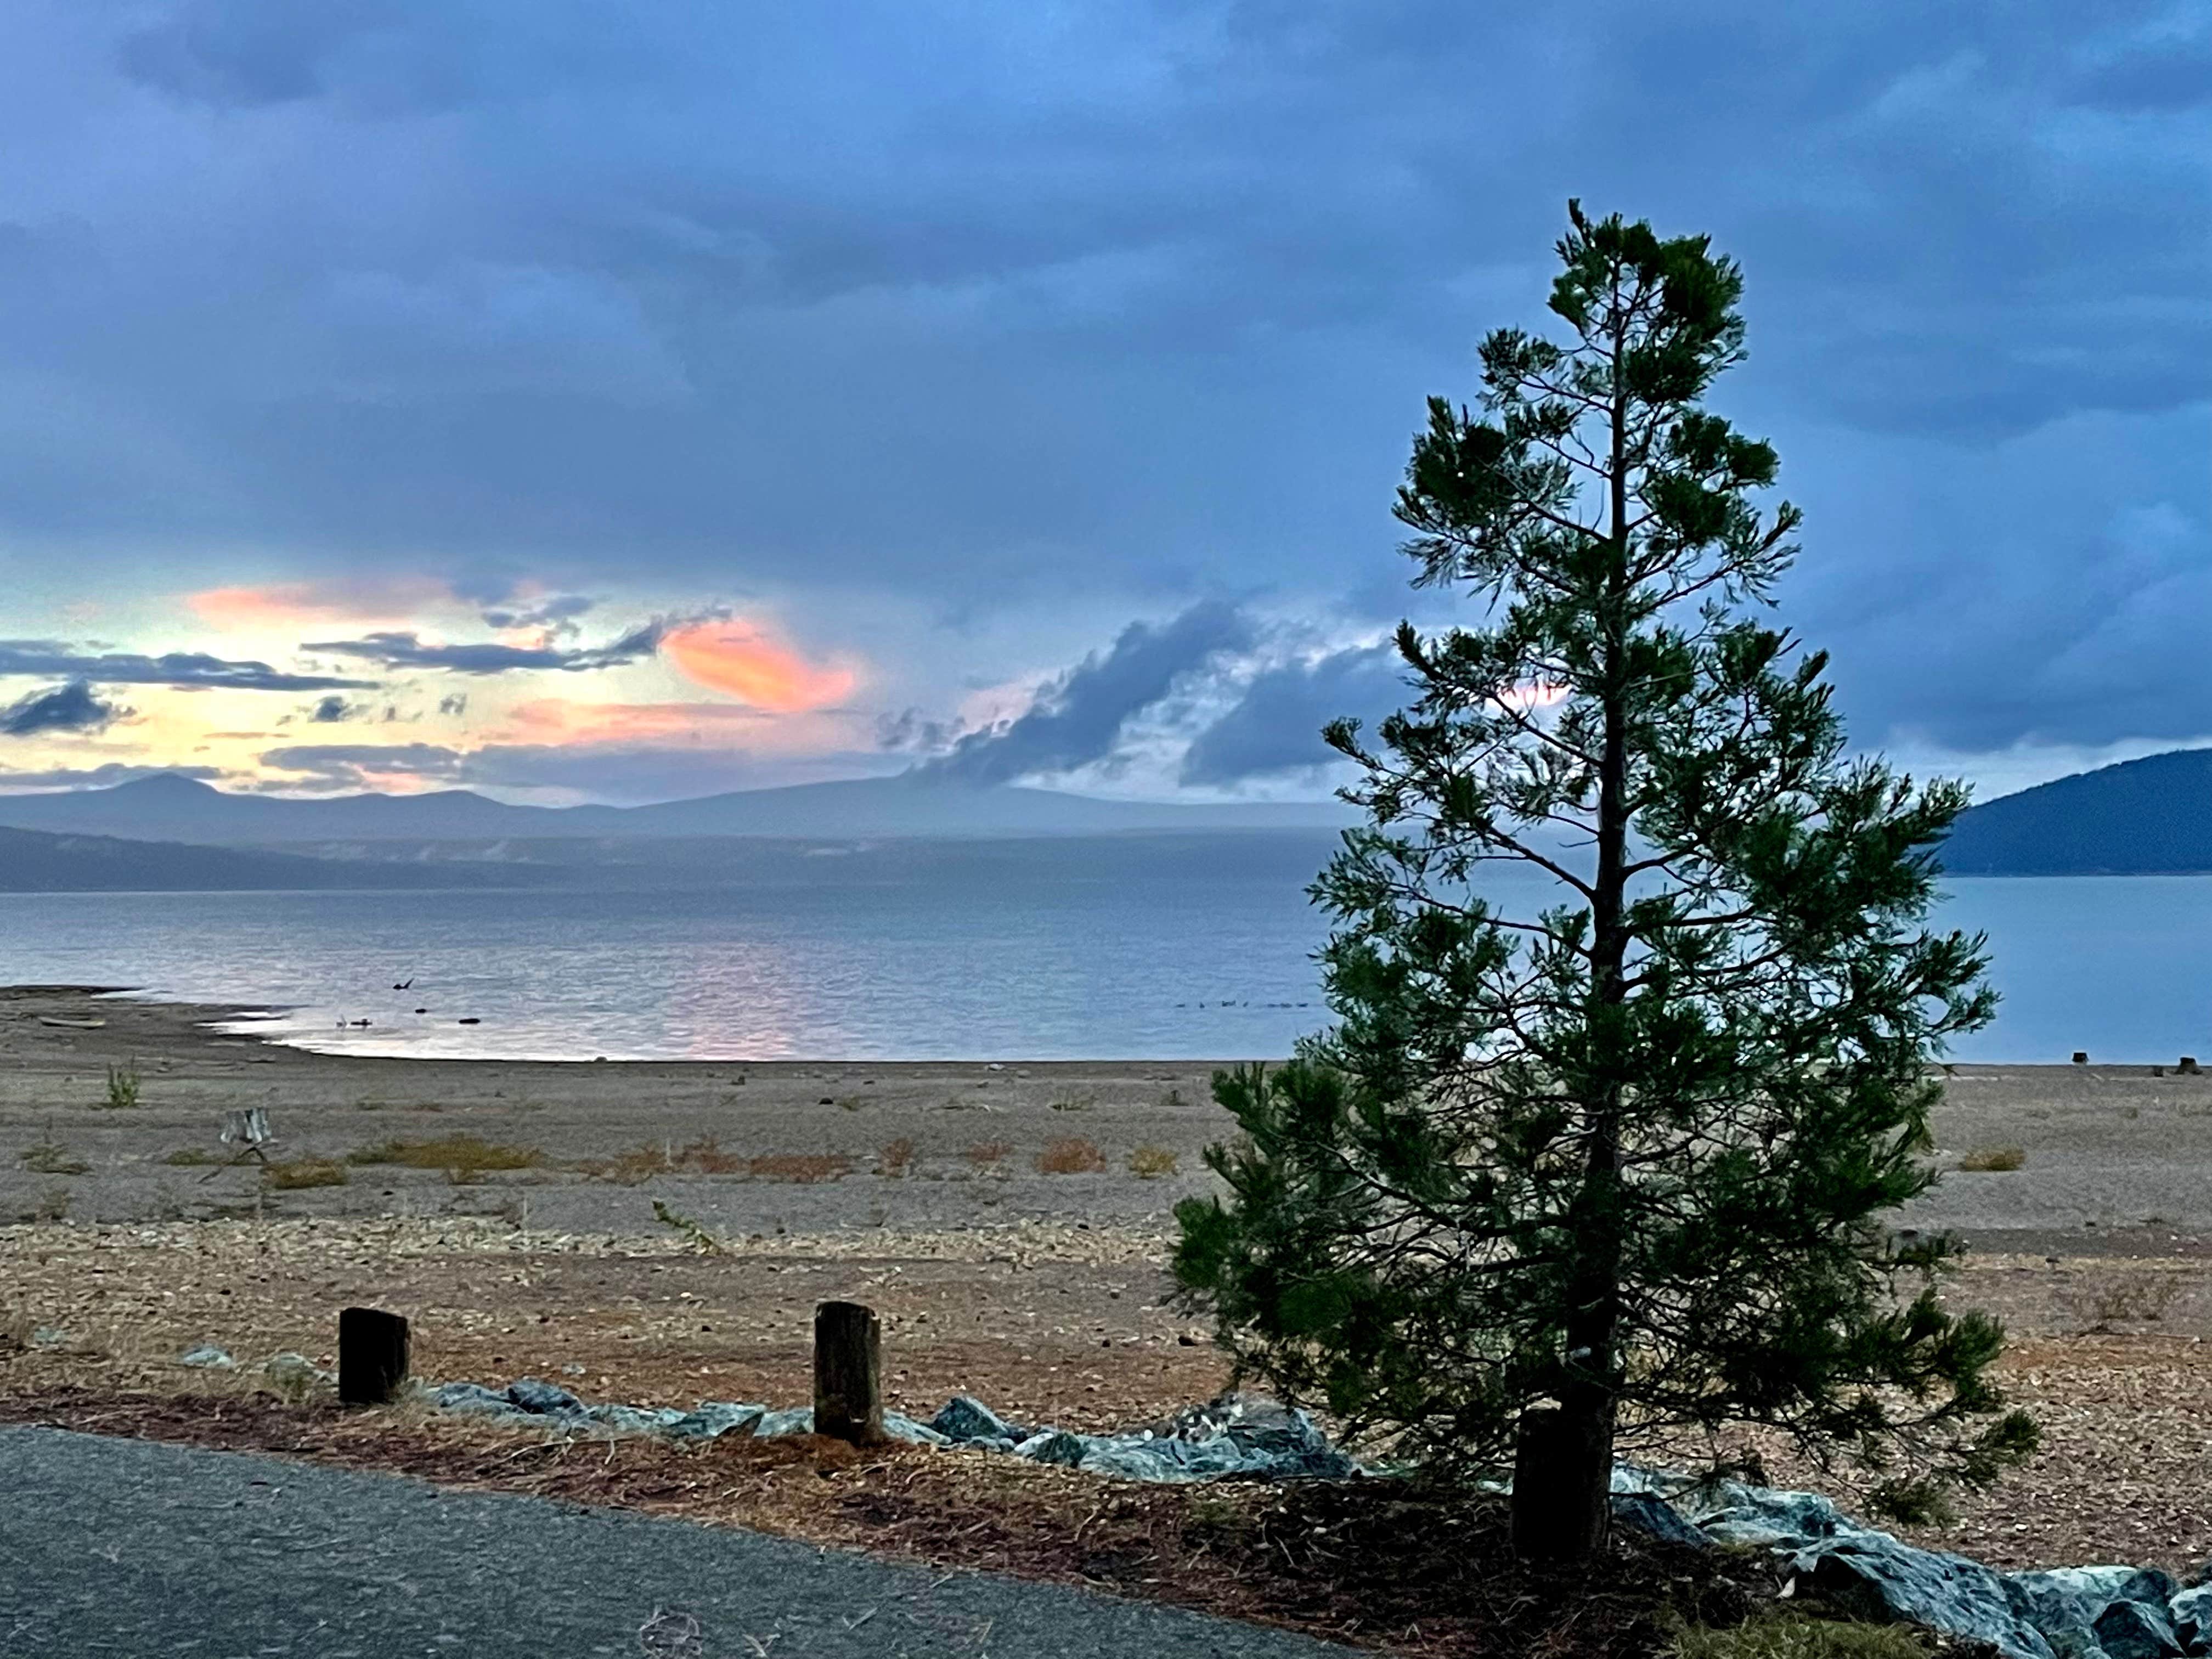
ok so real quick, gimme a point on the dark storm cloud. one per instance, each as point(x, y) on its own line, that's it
point(334, 708)
point(1028, 306)
point(185, 669)
point(1077, 718)
point(1275, 726)
point(407, 651)
point(71, 707)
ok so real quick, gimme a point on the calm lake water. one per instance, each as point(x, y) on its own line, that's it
point(1129, 947)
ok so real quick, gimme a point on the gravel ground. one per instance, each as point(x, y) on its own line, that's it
point(132, 1546)
point(1044, 1293)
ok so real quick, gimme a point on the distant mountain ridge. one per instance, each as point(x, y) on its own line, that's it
point(35, 861)
point(2148, 816)
point(171, 808)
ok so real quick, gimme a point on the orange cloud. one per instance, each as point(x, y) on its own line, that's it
point(282, 604)
point(741, 659)
point(556, 721)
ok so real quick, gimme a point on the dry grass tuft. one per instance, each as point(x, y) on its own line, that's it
point(1071, 1155)
point(1147, 1163)
point(895, 1158)
point(52, 1205)
point(1799, 1637)
point(1990, 1160)
point(704, 1156)
point(2122, 1297)
point(303, 1172)
point(469, 1155)
point(188, 1157)
point(47, 1156)
point(805, 1168)
point(990, 1154)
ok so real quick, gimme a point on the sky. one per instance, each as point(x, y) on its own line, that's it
point(583, 402)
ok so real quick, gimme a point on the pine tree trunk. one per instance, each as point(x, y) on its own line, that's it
point(1566, 1520)
point(1559, 1515)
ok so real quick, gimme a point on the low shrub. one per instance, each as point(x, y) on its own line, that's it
point(704, 1156)
point(49, 1157)
point(805, 1168)
point(2122, 1297)
point(301, 1172)
point(990, 1154)
point(1071, 1155)
point(895, 1158)
point(1992, 1159)
point(122, 1087)
point(1147, 1163)
point(470, 1154)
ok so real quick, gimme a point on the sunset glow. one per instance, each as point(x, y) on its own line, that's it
point(276, 605)
point(738, 658)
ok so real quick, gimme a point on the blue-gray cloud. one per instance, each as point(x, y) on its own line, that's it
point(1032, 307)
point(408, 651)
point(354, 765)
point(73, 706)
point(332, 709)
point(1275, 726)
point(1077, 719)
point(185, 669)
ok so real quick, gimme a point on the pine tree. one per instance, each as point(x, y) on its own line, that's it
point(1568, 1174)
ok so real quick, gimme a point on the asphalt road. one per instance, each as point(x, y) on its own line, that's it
point(130, 1547)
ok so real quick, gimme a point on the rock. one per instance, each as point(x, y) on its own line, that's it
point(1871, 1576)
point(800, 1421)
point(2192, 1610)
point(714, 1418)
point(962, 1419)
point(1731, 1512)
point(1161, 1461)
point(294, 1376)
point(473, 1400)
point(50, 1336)
point(1263, 1438)
point(1654, 1517)
point(900, 1426)
point(2064, 1603)
point(1053, 1446)
point(544, 1399)
point(2134, 1630)
point(631, 1419)
point(207, 1358)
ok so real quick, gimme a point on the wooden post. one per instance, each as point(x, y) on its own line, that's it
point(372, 1356)
point(1553, 1516)
point(848, 1383)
